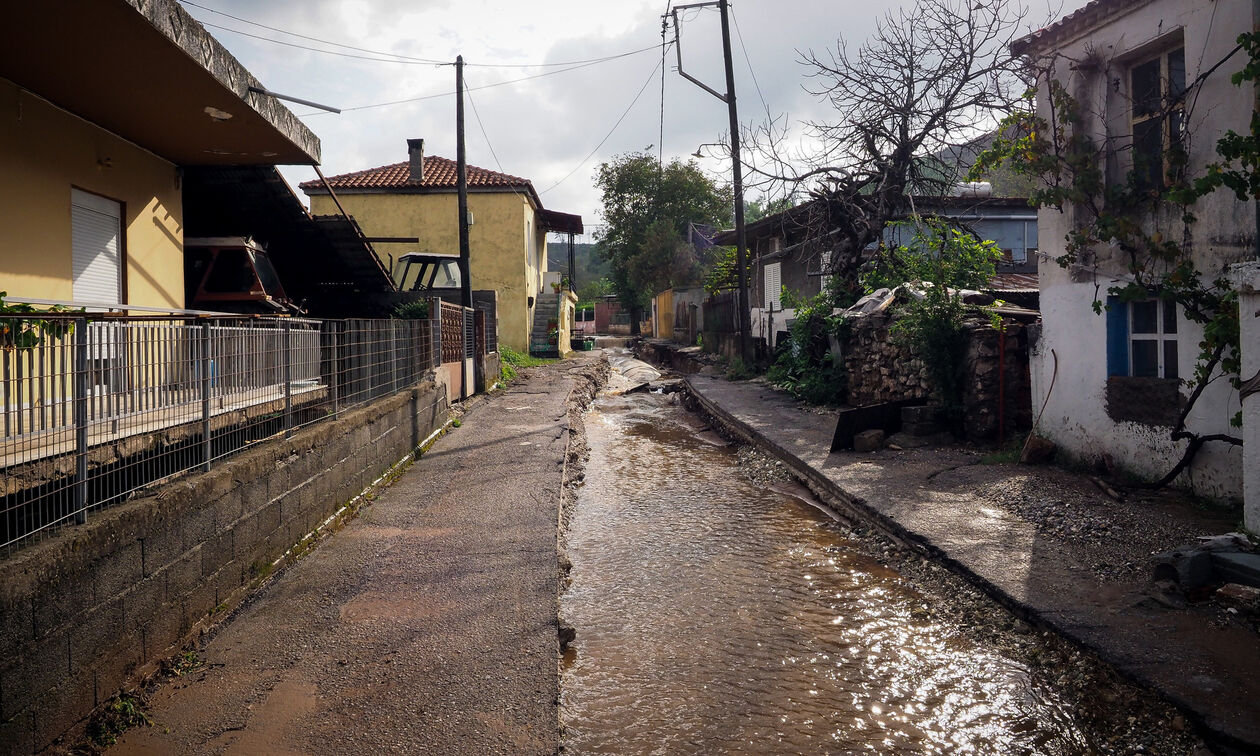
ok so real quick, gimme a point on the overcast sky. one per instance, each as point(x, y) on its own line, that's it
point(541, 128)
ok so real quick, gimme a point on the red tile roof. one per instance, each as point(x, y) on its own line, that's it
point(1092, 13)
point(439, 174)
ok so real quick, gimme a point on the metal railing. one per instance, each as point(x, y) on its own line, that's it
point(96, 407)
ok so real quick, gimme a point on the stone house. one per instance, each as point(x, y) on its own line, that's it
point(1149, 74)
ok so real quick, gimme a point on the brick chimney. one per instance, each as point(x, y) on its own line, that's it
point(415, 155)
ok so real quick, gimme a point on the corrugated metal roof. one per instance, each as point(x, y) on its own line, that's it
point(1014, 282)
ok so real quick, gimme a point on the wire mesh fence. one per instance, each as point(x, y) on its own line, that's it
point(95, 408)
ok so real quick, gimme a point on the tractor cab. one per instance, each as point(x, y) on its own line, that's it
point(435, 273)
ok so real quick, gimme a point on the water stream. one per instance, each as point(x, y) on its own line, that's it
point(718, 616)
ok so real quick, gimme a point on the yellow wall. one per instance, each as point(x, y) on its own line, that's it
point(45, 151)
point(501, 259)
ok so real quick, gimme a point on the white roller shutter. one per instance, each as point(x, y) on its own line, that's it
point(773, 286)
point(96, 241)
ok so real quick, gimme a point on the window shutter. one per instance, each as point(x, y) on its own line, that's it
point(1117, 337)
point(774, 287)
point(95, 248)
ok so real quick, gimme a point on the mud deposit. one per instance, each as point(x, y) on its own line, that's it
point(715, 614)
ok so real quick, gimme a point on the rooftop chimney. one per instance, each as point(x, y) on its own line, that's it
point(415, 155)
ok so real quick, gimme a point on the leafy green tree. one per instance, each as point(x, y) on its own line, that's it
point(755, 210)
point(646, 209)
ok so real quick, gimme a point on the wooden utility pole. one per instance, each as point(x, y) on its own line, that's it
point(737, 178)
point(461, 185)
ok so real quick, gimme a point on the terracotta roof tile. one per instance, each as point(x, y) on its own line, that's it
point(439, 173)
point(1092, 13)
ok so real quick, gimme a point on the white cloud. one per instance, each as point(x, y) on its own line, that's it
point(541, 128)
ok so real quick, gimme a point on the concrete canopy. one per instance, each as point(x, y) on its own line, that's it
point(149, 72)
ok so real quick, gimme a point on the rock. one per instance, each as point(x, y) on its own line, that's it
point(1037, 450)
point(868, 440)
point(1236, 594)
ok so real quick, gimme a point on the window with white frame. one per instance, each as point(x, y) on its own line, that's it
point(1142, 338)
point(1157, 86)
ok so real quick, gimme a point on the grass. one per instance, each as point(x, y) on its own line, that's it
point(1007, 453)
point(120, 714)
point(512, 359)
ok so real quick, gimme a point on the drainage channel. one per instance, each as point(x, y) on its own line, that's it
point(718, 610)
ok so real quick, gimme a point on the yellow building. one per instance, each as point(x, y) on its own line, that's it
point(417, 199)
point(93, 153)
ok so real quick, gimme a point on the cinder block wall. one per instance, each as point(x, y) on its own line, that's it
point(85, 612)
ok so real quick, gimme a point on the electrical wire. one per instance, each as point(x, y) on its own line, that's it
point(389, 56)
point(621, 118)
point(740, 36)
point(466, 89)
point(660, 139)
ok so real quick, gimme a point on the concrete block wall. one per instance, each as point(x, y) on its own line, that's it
point(87, 611)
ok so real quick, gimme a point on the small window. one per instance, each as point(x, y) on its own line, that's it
point(1157, 88)
point(1142, 338)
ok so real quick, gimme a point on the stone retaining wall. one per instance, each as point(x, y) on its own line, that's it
point(880, 369)
point(91, 608)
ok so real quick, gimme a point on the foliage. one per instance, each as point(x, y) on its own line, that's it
point(646, 208)
point(722, 272)
point(738, 370)
point(804, 365)
point(940, 253)
point(415, 310)
point(939, 261)
point(755, 210)
point(1151, 228)
point(17, 331)
point(593, 290)
point(119, 714)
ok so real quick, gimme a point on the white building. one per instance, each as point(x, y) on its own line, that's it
point(1112, 382)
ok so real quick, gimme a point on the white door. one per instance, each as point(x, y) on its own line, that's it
point(774, 287)
point(96, 248)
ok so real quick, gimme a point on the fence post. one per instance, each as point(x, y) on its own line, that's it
point(205, 397)
point(288, 380)
point(435, 310)
point(80, 419)
point(334, 328)
point(393, 356)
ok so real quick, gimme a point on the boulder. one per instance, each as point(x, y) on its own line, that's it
point(868, 440)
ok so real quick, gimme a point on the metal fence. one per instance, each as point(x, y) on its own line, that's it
point(94, 408)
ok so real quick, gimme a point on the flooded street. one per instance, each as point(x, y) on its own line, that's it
point(716, 615)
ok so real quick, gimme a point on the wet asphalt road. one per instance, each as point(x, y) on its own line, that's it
point(428, 625)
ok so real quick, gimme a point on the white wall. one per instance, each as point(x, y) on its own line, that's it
point(1075, 415)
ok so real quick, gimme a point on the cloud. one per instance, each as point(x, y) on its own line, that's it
point(541, 128)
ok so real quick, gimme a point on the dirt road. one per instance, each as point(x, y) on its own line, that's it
point(428, 625)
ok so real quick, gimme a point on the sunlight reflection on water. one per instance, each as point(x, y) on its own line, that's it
point(714, 615)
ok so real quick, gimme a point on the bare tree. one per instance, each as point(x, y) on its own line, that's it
point(909, 106)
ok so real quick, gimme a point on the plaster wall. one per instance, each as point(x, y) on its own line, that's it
point(1247, 279)
point(45, 152)
point(1076, 414)
point(508, 250)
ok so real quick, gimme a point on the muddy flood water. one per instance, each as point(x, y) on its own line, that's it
point(718, 616)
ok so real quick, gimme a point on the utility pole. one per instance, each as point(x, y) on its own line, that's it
point(737, 178)
point(461, 184)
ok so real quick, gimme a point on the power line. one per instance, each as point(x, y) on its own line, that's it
point(389, 56)
point(401, 58)
point(624, 113)
point(740, 36)
point(468, 89)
